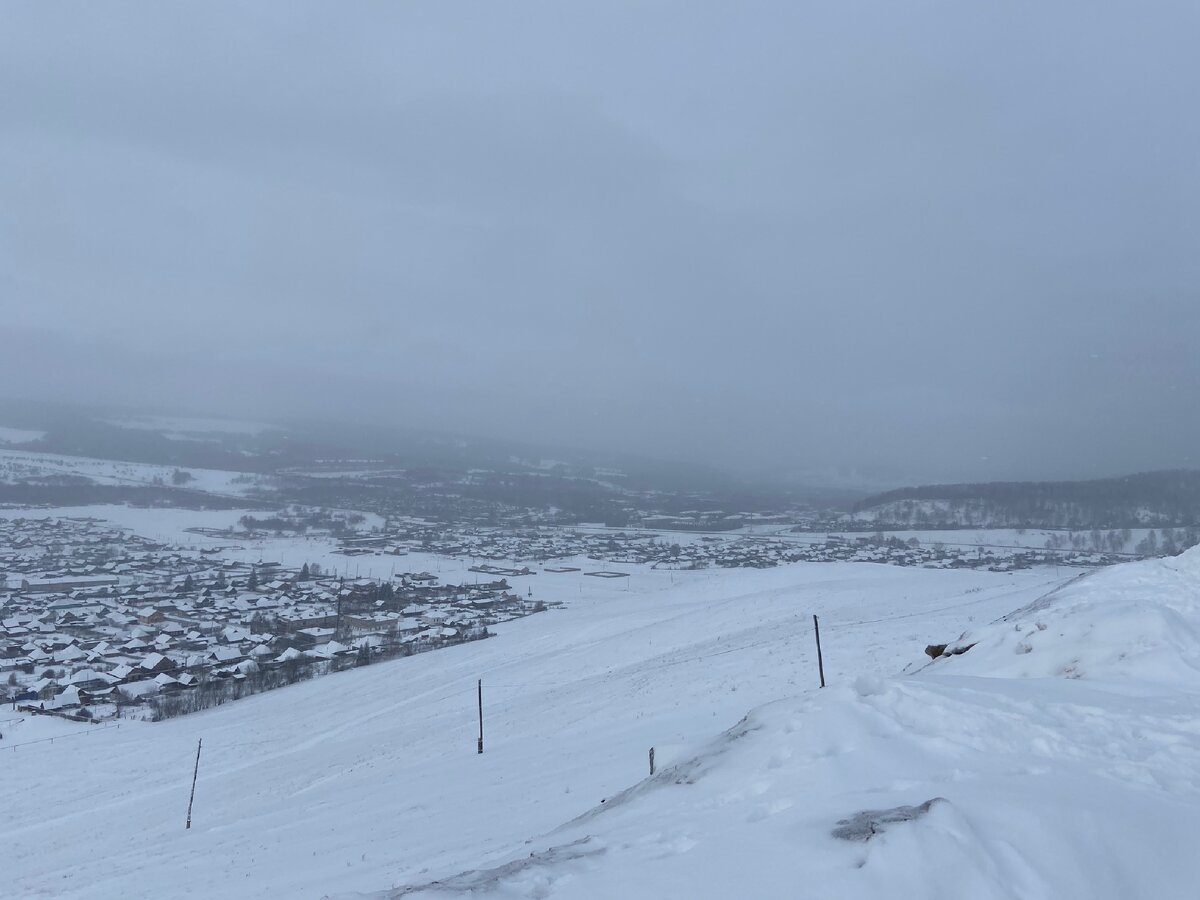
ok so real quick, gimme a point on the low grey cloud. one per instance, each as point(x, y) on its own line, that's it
point(952, 241)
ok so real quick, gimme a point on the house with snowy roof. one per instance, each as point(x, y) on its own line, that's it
point(155, 663)
point(225, 654)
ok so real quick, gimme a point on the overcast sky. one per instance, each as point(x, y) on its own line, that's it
point(952, 240)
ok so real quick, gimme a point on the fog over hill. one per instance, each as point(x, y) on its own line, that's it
point(1148, 498)
point(730, 406)
point(953, 241)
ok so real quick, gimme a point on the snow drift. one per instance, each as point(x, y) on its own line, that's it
point(1136, 621)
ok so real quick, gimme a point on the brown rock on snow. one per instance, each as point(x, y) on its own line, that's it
point(933, 651)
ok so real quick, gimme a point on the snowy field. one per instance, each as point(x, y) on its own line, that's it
point(19, 435)
point(1064, 747)
point(186, 429)
point(17, 465)
point(170, 525)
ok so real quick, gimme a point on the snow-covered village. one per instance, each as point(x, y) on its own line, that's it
point(599, 450)
point(99, 622)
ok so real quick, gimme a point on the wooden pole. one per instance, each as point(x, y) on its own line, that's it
point(480, 750)
point(195, 772)
point(820, 661)
point(651, 760)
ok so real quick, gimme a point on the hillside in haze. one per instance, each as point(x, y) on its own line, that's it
point(66, 456)
point(1155, 499)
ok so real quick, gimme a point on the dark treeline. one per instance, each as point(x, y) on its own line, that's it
point(1169, 498)
point(81, 436)
point(216, 692)
point(210, 692)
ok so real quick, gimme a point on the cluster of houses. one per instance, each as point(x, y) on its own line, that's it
point(98, 619)
point(937, 555)
point(646, 547)
point(546, 543)
point(713, 520)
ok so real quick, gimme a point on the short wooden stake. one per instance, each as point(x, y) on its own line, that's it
point(195, 772)
point(820, 661)
point(651, 760)
point(480, 746)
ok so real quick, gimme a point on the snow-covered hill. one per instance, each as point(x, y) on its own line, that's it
point(1083, 783)
point(19, 435)
point(177, 428)
point(1147, 499)
point(17, 466)
point(1137, 622)
point(367, 782)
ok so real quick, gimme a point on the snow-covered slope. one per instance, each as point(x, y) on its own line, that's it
point(1030, 787)
point(184, 429)
point(18, 466)
point(367, 783)
point(1139, 621)
point(1042, 792)
point(19, 435)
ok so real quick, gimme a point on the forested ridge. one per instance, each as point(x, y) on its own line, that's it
point(1167, 498)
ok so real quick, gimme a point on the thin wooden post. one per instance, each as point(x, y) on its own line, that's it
point(820, 661)
point(651, 760)
point(195, 772)
point(480, 750)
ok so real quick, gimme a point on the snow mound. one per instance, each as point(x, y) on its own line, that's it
point(1136, 621)
point(916, 788)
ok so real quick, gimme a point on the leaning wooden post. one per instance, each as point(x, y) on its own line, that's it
point(820, 661)
point(651, 760)
point(195, 772)
point(480, 750)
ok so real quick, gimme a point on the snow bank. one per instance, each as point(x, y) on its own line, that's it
point(1136, 621)
point(1002, 791)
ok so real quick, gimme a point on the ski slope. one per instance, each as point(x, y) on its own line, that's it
point(367, 783)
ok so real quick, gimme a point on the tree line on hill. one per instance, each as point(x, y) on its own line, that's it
point(1161, 499)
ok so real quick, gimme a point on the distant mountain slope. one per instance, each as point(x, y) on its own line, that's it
point(1159, 499)
point(58, 455)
